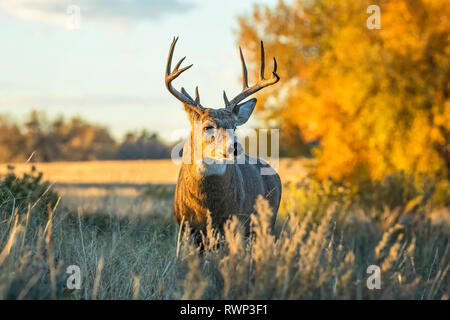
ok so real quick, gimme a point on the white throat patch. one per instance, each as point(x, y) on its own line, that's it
point(211, 167)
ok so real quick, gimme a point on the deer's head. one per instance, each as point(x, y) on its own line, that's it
point(213, 130)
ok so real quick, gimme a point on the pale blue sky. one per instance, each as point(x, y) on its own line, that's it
point(111, 70)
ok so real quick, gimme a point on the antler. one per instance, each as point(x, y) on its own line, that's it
point(183, 96)
point(262, 83)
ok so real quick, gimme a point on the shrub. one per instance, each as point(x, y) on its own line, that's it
point(399, 194)
point(18, 193)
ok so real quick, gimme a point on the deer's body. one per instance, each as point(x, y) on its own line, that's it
point(233, 193)
point(225, 181)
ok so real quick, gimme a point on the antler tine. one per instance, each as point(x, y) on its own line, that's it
point(227, 103)
point(263, 61)
point(262, 83)
point(183, 96)
point(186, 94)
point(275, 68)
point(197, 97)
point(244, 71)
point(179, 64)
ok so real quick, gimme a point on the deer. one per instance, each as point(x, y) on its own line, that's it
point(217, 185)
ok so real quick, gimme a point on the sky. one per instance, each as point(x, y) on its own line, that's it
point(110, 70)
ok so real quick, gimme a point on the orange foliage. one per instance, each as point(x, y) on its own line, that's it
point(377, 99)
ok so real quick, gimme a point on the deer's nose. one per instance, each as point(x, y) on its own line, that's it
point(236, 147)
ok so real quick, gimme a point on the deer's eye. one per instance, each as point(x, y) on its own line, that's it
point(208, 132)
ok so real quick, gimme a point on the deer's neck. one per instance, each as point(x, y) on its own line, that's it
point(210, 184)
point(212, 192)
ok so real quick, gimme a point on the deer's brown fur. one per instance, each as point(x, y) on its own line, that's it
point(222, 189)
point(233, 193)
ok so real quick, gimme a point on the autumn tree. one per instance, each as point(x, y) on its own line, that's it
point(376, 99)
point(12, 142)
point(39, 139)
point(73, 140)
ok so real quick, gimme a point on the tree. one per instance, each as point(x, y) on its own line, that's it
point(144, 145)
point(12, 141)
point(38, 141)
point(83, 141)
point(377, 100)
point(74, 139)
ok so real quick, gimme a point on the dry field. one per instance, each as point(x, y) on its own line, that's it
point(133, 172)
point(127, 244)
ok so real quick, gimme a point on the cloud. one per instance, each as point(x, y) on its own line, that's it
point(57, 12)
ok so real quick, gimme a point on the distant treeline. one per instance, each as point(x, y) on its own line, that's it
point(73, 139)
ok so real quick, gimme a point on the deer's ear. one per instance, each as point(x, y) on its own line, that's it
point(244, 110)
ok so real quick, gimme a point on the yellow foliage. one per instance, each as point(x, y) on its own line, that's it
point(376, 99)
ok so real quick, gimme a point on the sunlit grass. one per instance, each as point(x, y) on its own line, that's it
point(125, 242)
point(134, 171)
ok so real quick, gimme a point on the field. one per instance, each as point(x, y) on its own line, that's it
point(114, 220)
point(133, 171)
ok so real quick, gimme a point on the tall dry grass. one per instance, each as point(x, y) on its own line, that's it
point(318, 260)
point(326, 236)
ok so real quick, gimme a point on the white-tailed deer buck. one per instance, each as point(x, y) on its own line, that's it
point(215, 183)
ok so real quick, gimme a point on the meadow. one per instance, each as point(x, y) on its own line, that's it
point(359, 88)
point(121, 232)
point(139, 172)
